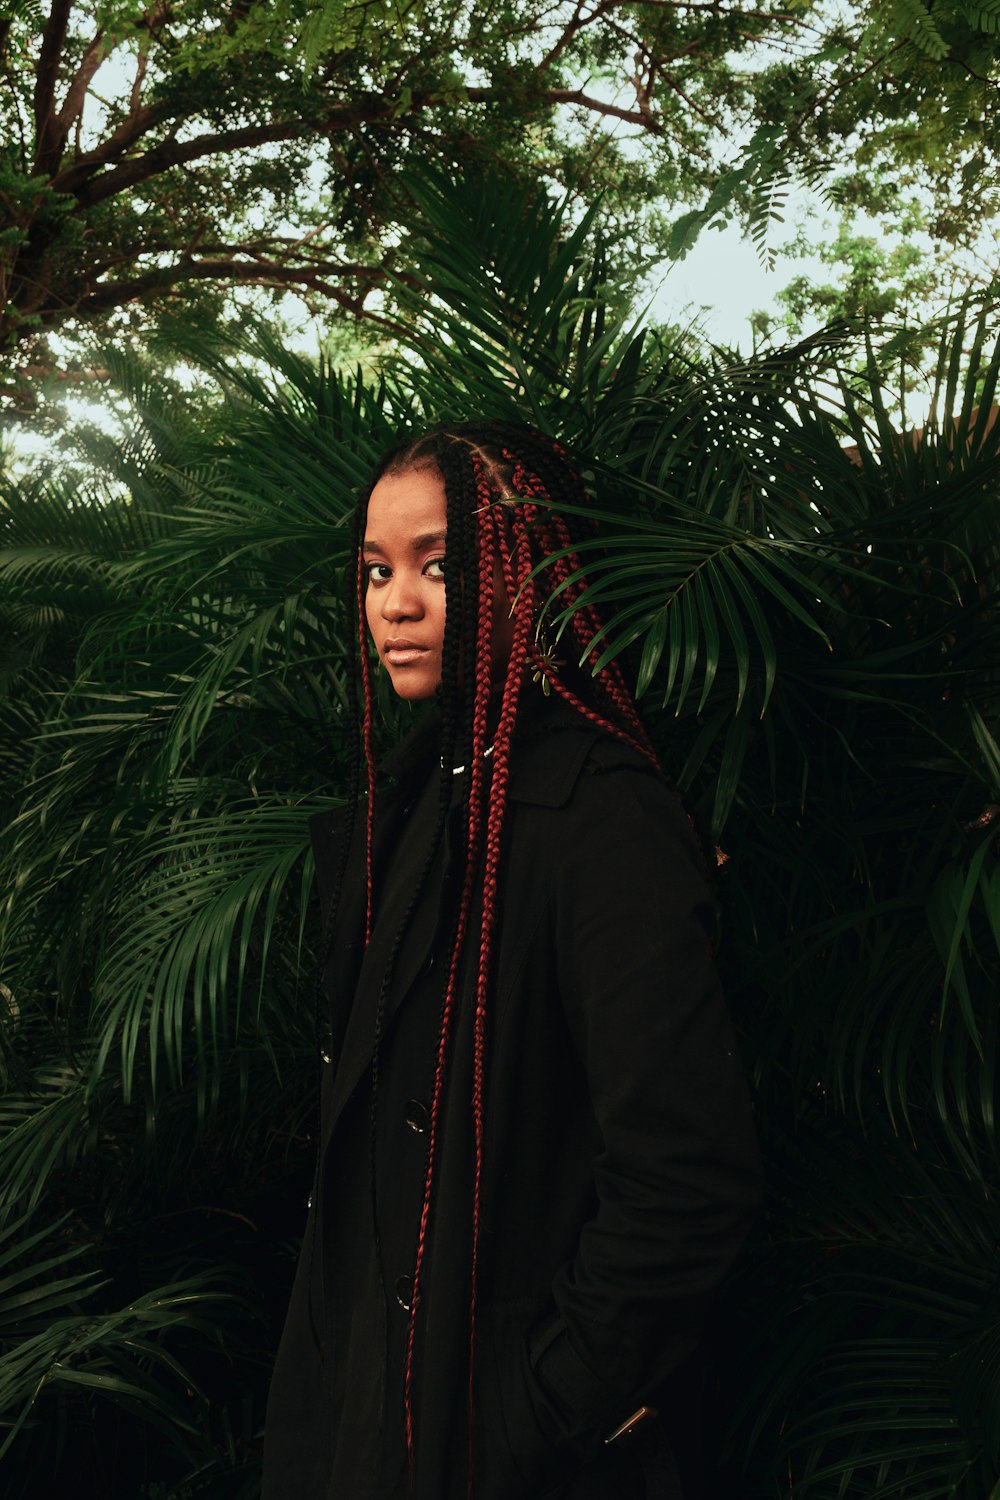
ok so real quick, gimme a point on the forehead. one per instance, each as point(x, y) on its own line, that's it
point(407, 504)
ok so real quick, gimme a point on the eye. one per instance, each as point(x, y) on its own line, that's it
point(378, 573)
point(434, 568)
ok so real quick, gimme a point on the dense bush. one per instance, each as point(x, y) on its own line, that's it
point(809, 603)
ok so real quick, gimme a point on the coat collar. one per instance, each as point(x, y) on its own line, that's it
point(405, 766)
point(551, 744)
point(550, 750)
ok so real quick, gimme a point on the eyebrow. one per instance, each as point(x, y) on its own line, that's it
point(426, 539)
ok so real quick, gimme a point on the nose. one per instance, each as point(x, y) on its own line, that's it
point(400, 599)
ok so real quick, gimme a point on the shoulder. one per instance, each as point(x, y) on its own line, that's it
point(602, 809)
point(622, 807)
point(326, 828)
point(327, 832)
point(555, 745)
point(546, 765)
point(563, 759)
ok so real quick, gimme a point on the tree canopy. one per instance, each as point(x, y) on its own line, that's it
point(150, 150)
point(152, 159)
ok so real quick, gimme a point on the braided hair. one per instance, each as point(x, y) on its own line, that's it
point(505, 489)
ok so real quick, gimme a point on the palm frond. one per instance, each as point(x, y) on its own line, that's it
point(50, 1345)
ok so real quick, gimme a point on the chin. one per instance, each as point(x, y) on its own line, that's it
point(414, 688)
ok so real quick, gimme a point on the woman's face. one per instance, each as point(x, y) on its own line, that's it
point(403, 551)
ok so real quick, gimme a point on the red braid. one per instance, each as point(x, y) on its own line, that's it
point(588, 616)
point(494, 826)
point(554, 536)
point(477, 766)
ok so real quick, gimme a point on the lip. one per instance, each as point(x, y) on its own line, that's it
point(401, 653)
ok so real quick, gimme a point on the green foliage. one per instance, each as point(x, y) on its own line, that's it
point(147, 156)
point(809, 601)
point(48, 1343)
point(56, 1350)
point(760, 181)
point(882, 273)
point(889, 101)
point(914, 21)
point(155, 166)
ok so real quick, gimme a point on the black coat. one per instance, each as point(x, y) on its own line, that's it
point(620, 1165)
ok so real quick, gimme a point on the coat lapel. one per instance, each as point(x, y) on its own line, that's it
point(355, 978)
point(340, 969)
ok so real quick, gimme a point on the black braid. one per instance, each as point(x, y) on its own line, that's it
point(454, 461)
point(460, 625)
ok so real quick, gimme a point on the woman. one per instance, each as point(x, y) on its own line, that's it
point(536, 1157)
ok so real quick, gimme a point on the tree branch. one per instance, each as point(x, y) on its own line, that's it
point(692, 104)
point(135, 98)
point(133, 128)
point(702, 5)
point(576, 23)
point(47, 152)
point(840, 85)
point(173, 153)
point(598, 106)
point(268, 253)
point(72, 105)
point(89, 187)
point(252, 272)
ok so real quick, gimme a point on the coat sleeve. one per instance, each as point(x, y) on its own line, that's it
point(677, 1180)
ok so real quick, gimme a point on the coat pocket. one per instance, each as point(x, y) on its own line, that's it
point(515, 1459)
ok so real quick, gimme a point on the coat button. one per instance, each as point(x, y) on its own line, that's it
point(418, 1116)
point(404, 1291)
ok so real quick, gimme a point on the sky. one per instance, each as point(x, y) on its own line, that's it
point(721, 283)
